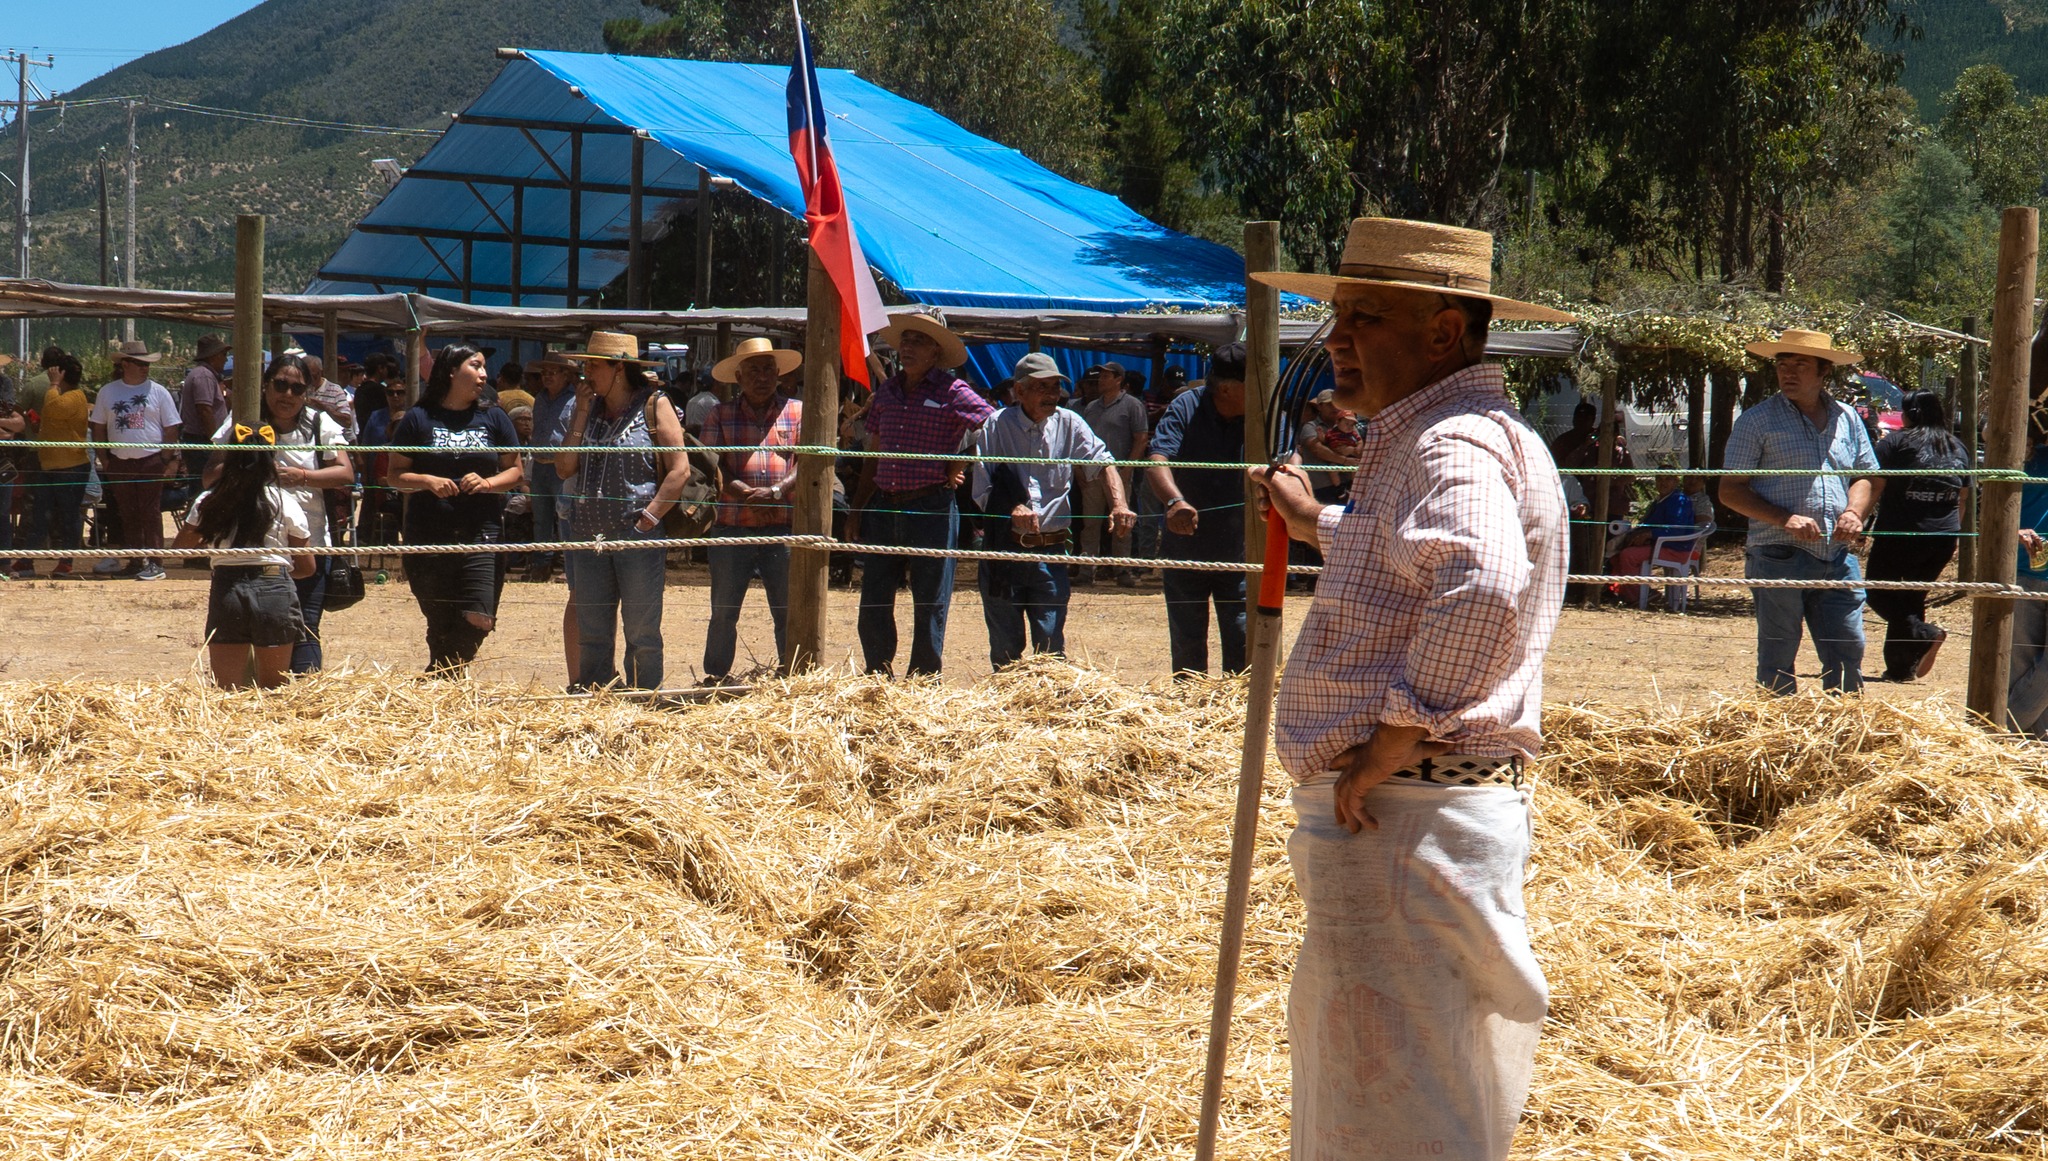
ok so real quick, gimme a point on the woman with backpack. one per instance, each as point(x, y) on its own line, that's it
point(252, 610)
point(305, 472)
point(619, 493)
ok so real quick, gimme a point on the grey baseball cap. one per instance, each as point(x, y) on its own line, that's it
point(1038, 365)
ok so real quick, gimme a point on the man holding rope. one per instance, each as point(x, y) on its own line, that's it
point(1410, 703)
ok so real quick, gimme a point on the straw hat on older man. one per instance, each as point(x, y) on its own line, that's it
point(137, 351)
point(1425, 256)
point(727, 369)
point(932, 325)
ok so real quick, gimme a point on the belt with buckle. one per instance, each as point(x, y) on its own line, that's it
point(1040, 539)
point(1463, 770)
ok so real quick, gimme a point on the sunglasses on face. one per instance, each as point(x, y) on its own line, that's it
point(289, 388)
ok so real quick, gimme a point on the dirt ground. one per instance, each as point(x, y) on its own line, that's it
point(122, 629)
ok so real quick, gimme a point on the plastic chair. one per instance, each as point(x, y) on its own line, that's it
point(1679, 556)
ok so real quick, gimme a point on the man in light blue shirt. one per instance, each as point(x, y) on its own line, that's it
point(1030, 509)
point(1803, 527)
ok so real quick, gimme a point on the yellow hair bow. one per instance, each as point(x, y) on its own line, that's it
point(268, 436)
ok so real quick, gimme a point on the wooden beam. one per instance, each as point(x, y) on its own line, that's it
point(2005, 446)
point(636, 249)
point(618, 244)
point(570, 127)
point(518, 240)
point(247, 402)
point(812, 498)
point(664, 192)
point(330, 345)
point(575, 219)
point(1966, 407)
point(702, 298)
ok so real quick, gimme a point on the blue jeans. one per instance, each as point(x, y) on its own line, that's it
point(731, 569)
point(58, 515)
point(608, 589)
point(546, 490)
point(1188, 597)
point(306, 656)
point(1833, 616)
point(931, 521)
point(1020, 597)
point(2026, 702)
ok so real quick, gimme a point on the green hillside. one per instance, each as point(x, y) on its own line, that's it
point(1956, 34)
point(403, 63)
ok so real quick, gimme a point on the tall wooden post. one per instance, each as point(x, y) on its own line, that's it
point(1966, 408)
point(2005, 446)
point(702, 299)
point(812, 498)
point(330, 348)
point(636, 243)
point(1261, 370)
point(1610, 426)
point(248, 385)
point(1696, 420)
point(415, 347)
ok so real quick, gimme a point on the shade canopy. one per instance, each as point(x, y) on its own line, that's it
point(950, 218)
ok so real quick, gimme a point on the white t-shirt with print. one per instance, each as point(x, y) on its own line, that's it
point(296, 449)
point(135, 413)
point(291, 521)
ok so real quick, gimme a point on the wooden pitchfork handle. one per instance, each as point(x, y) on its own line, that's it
point(1244, 830)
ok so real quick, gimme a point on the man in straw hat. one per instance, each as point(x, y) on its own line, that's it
point(754, 499)
point(908, 501)
point(1803, 527)
point(1411, 700)
point(136, 409)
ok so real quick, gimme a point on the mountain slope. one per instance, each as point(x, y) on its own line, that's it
point(2012, 34)
point(394, 63)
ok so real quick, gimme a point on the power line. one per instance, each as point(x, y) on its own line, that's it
point(61, 105)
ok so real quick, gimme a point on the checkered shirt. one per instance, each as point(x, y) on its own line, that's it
point(928, 419)
point(730, 424)
point(1442, 580)
point(1776, 434)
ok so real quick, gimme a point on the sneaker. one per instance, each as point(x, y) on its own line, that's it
point(150, 572)
point(1926, 665)
point(106, 566)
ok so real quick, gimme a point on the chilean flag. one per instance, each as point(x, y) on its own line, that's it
point(832, 235)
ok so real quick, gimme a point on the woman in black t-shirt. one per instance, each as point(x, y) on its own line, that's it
point(456, 485)
point(1914, 535)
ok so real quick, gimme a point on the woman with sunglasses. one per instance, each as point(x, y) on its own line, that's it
point(457, 479)
point(304, 472)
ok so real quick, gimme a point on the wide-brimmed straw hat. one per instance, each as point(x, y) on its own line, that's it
point(211, 345)
point(137, 350)
point(932, 324)
point(612, 346)
point(728, 369)
point(1425, 256)
point(1797, 342)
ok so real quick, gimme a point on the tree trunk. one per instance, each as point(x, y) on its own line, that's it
point(1728, 220)
point(1774, 261)
point(1745, 231)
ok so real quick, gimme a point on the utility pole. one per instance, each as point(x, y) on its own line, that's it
point(104, 231)
point(23, 63)
point(128, 253)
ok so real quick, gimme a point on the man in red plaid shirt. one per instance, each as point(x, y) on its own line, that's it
point(922, 410)
point(754, 500)
point(1412, 697)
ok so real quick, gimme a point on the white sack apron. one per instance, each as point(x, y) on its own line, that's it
point(1416, 1002)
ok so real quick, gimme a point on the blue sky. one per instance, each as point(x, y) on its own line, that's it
point(90, 37)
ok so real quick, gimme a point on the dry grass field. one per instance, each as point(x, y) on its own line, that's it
point(385, 917)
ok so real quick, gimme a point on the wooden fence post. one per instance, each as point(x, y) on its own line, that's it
point(1262, 369)
point(812, 497)
point(1998, 517)
point(248, 385)
point(1966, 408)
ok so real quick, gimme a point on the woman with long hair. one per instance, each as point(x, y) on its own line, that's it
point(1914, 533)
point(305, 473)
point(457, 481)
point(252, 610)
point(58, 519)
point(619, 494)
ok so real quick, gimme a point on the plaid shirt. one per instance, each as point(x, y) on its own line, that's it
point(731, 424)
point(1441, 584)
point(929, 419)
point(1776, 434)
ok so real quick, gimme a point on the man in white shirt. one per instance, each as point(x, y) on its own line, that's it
point(1030, 510)
point(136, 409)
point(701, 405)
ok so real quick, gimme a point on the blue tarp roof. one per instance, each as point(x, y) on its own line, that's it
point(951, 218)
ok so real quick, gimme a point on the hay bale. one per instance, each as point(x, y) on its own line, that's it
point(383, 916)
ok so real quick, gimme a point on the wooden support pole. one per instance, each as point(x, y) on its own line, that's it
point(722, 341)
point(415, 348)
point(812, 498)
point(1966, 409)
point(2005, 446)
point(518, 239)
point(636, 242)
point(702, 298)
point(575, 291)
point(1159, 361)
point(330, 347)
point(1696, 419)
point(248, 385)
point(1262, 374)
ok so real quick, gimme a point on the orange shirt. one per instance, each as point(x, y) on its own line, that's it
point(63, 418)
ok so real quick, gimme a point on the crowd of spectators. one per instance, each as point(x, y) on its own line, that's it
point(609, 460)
